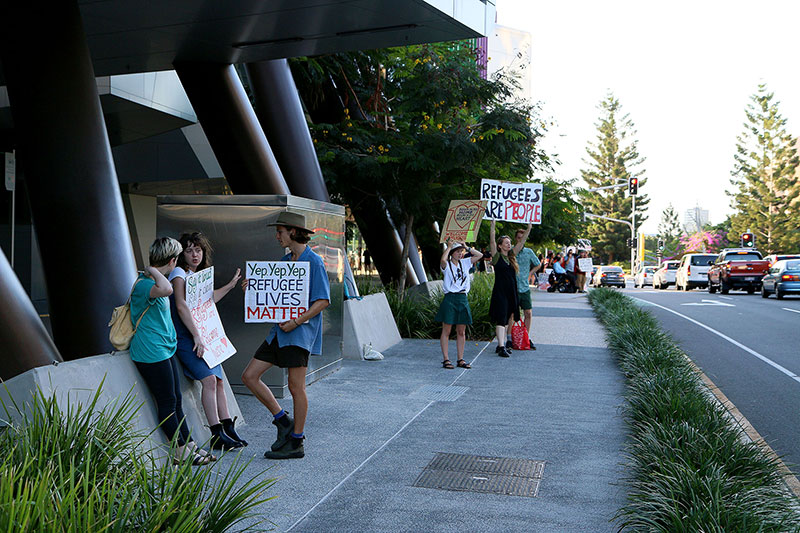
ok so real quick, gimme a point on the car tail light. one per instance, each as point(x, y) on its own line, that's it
point(688, 271)
point(603, 275)
point(790, 277)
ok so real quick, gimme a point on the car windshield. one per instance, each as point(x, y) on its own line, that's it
point(702, 260)
point(793, 265)
point(782, 257)
point(742, 256)
point(615, 270)
point(649, 270)
point(672, 266)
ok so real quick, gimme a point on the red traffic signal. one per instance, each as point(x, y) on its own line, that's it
point(748, 240)
point(633, 186)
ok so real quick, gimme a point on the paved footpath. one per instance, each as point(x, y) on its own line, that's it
point(374, 427)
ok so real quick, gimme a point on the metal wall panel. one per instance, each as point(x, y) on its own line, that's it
point(236, 227)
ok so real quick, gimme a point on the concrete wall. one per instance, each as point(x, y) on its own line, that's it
point(77, 381)
point(368, 320)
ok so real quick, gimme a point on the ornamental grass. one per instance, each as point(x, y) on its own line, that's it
point(690, 468)
point(81, 468)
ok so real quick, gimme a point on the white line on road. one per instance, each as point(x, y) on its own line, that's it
point(792, 310)
point(767, 360)
point(726, 297)
point(711, 302)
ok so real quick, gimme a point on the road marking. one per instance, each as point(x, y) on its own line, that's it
point(738, 344)
point(726, 297)
point(792, 310)
point(711, 302)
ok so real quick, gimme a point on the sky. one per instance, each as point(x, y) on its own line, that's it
point(683, 71)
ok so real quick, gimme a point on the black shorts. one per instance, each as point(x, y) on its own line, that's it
point(286, 357)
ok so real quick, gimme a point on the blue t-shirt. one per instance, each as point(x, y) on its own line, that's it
point(526, 260)
point(309, 334)
point(155, 339)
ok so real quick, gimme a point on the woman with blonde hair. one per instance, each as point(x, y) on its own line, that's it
point(504, 304)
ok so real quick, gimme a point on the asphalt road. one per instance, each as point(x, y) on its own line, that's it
point(749, 347)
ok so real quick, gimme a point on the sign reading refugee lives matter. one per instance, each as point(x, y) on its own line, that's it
point(200, 299)
point(277, 291)
point(512, 201)
point(463, 220)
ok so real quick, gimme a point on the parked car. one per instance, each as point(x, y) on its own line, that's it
point(774, 258)
point(644, 277)
point(783, 277)
point(609, 276)
point(737, 269)
point(693, 271)
point(665, 275)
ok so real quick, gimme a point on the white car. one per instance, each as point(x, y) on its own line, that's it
point(665, 275)
point(644, 277)
point(693, 271)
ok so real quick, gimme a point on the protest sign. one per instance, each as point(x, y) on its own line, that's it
point(277, 291)
point(200, 299)
point(585, 264)
point(512, 201)
point(463, 220)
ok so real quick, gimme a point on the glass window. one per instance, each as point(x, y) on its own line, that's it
point(793, 265)
point(743, 256)
point(702, 260)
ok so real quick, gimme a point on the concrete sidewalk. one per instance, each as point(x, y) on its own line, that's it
point(374, 426)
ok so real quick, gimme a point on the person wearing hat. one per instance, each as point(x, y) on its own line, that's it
point(289, 343)
point(455, 307)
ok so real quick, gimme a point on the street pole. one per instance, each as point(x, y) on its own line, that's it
point(633, 233)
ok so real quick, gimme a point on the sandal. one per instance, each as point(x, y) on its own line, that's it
point(197, 459)
point(463, 364)
point(447, 364)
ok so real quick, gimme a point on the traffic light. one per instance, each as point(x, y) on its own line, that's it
point(634, 242)
point(660, 245)
point(748, 240)
point(633, 186)
point(630, 243)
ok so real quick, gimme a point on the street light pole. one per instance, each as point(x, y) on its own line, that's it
point(633, 232)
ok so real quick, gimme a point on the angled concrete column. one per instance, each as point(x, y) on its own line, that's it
point(229, 122)
point(281, 116)
point(64, 152)
point(25, 341)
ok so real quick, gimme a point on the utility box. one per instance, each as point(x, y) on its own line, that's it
point(237, 228)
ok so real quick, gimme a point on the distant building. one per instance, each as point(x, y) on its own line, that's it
point(694, 219)
point(510, 49)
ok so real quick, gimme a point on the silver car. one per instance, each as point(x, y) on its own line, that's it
point(665, 275)
point(644, 277)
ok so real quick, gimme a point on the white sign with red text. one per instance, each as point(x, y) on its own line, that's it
point(512, 201)
point(200, 299)
point(276, 291)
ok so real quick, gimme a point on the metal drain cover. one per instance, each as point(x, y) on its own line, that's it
point(439, 393)
point(475, 473)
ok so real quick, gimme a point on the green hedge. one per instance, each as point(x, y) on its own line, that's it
point(690, 469)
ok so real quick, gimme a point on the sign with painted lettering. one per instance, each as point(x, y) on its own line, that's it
point(585, 264)
point(463, 220)
point(512, 201)
point(200, 299)
point(276, 291)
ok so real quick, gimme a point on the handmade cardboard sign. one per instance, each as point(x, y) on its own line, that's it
point(200, 299)
point(277, 291)
point(585, 264)
point(512, 201)
point(463, 220)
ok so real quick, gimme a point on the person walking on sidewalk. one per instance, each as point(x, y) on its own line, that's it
point(455, 307)
point(289, 343)
point(504, 303)
point(528, 264)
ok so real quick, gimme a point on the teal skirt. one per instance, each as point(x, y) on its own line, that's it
point(454, 309)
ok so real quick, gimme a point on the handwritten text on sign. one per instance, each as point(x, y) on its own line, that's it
point(277, 291)
point(512, 201)
point(200, 299)
point(463, 220)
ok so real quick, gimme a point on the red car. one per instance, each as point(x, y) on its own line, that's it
point(737, 269)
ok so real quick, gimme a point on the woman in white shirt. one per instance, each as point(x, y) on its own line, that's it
point(455, 307)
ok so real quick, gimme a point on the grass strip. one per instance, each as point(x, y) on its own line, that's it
point(690, 469)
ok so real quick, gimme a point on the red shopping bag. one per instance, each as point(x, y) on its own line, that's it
point(519, 336)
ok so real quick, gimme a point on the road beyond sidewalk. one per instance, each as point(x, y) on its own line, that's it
point(375, 426)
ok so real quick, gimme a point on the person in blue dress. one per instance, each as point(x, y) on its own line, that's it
point(288, 344)
point(196, 256)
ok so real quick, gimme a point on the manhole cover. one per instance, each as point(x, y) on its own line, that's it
point(439, 393)
point(476, 473)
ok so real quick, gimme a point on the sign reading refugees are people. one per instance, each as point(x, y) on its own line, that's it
point(512, 201)
point(200, 299)
point(463, 220)
point(276, 291)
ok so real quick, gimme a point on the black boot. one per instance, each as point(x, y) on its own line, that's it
point(292, 449)
point(285, 426)
point(228, 427)
point(220, 441)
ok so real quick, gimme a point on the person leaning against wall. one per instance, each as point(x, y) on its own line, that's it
point(289, 343)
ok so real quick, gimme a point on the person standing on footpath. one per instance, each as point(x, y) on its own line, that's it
point(504, 303)
point(289, 343)
point(527, 263)
point(580, 275)
point(455, 307)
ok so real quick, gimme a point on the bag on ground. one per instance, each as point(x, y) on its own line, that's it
point(371, 354)
point(519, 336)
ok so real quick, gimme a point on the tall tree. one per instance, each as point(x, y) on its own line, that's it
point(669, 229)
point(767, 191)
point(613, 158)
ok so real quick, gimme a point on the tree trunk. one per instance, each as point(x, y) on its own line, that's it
point(401, 284)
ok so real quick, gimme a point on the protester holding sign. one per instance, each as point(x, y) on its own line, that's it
point(196, 256)
point(504, 304)
point(528, 263)
point(153, 346)
point(455, 307)
point(289, 344)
